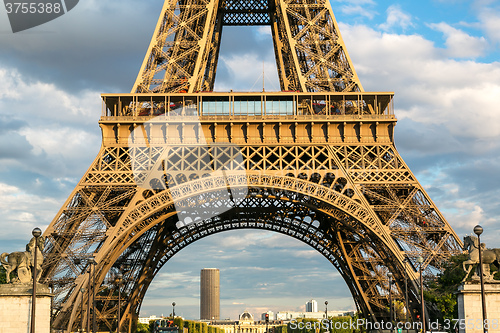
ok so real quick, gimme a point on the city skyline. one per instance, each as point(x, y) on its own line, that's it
point(258, 316)
point(440, 58)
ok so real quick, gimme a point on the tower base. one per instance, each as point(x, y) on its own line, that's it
point(15, 308)
point(470, 307)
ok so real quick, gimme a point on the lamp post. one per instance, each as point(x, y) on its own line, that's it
point(89, 288)
point(92, 262)
point(406, 291)
point(82, 290)
point(52, 309)
point(389, 275)
point(94, 327)
point(36, 233)
point(119, 278)
point(420, 260)
point(478, 230)
point(326, 310)
point(173, 310)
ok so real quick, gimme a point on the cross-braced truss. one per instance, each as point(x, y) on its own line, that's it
point(178, 163)
point(358, 205)
point(183, 53)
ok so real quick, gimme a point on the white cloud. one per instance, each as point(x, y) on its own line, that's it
point(490, 22)
point(358, 10)
point(396, 18)
point(463, 215)
point(55, 142)
point(53, 137)
point(23, 211)
point(61, 128)
point(467, 214)
point(363, 8)
point(357, 2)
point(430, 88)
point(453, 103)
point(459, 44)
point(9, 84)
point(175, 280)
point(247, 68)
point(37, 100)
point(264, 31)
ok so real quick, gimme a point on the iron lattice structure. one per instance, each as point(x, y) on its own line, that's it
point(183, 54)
point(318, 164)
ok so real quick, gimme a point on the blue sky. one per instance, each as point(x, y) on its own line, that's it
point(441, 58)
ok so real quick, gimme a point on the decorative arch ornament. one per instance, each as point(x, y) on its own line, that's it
point(294, 194)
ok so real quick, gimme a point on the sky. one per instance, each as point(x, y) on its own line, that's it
point(440, 57)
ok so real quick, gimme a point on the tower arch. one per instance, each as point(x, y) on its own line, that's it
point(292, 206)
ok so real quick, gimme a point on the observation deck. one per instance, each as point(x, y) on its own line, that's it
point(251, 117)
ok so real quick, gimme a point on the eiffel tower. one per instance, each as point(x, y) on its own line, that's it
point(179, 162)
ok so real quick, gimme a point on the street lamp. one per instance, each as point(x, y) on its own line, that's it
point(173, 310)
point(420, 260)
point(406, 290)
point(92, 262)
point(36, 233)
point(89, 288)
point(389, 275)
point(478, 230)
point(82, 290)
point(119, 278)
point(326, 310)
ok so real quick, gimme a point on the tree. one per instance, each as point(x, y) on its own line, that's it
point(142, 328)
point(399, 310)
point(281, 329)
point(191, 326)
point(3, 278)
point(179, 322)
point(440, 294)
point(151, 326)
point(3, 275)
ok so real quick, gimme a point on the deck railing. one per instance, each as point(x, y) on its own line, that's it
point(217, 105)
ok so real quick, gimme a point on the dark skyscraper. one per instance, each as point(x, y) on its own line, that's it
point(209, 294)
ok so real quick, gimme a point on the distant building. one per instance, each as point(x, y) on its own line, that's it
point(245, 324)
point(270, 313)
point(312, 306)
point(246, 317)
point(146, 320)
point(209, 294)
point(289, 315)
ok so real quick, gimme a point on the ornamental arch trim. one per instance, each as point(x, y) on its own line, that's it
point(290, 191)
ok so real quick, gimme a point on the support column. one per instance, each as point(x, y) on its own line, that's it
point(469, 306)
point(15, 308)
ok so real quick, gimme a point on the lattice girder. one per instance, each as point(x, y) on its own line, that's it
point(327, 175)
point(226, 222)
point(184, 50)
